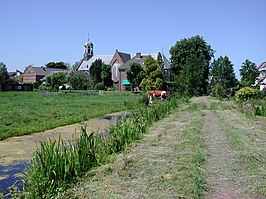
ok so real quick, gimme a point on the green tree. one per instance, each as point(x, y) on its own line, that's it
point(56, 79)
point(96, 70)
point(248, 73)
point(153, 75)
point(184, 67)
point(78, 80)
point(61, 65)
point(135, 74)
point(223, 72)
point(3, 73)
point(160, 60)
point(106, 75)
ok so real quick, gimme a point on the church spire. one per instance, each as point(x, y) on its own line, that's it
point(88, 49)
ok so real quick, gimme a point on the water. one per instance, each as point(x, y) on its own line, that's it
point(10, 175)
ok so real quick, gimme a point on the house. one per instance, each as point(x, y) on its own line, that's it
point(37, 74)
point(114, 60)
point(261, 79)
point(119, 63)
point(140, 58)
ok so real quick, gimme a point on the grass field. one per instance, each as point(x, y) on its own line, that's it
point(28, 112)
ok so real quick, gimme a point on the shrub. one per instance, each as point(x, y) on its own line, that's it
point(246, 93)
point(218, 91)
point(99, 86)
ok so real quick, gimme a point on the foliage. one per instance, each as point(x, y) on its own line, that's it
point(29, 112)
point(99, 86)
point(153, 75)
point(78, 80)
point(3, 73)
point(246, 93)
point(106, 75)
point(160, 60)
point(56, 164)
point(191, 80)
point(248, 73)
point(56, 79)
point(61, 65)
point(135, 74)
point(96, 70)
point(184, 57)
point(218, 91)
point(223, 73)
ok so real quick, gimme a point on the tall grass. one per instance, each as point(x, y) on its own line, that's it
point(57, 164)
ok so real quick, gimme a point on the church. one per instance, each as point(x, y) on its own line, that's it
point(119, 62)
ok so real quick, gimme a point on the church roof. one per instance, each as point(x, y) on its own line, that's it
point(85, 65)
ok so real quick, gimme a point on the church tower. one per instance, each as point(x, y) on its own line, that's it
point(88, 50)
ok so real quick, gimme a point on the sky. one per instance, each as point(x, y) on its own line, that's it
point(36, 32)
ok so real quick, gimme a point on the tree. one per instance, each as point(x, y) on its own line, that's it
point(96, 70)
point(78, 80)
point(3, 73)
point(190, 63)
point(106, 75)
point(153, 75)
point(135, 74)
point(223, 72)
point(160, 60)
point(248, 73)
point(61, 65)
point(56, 79)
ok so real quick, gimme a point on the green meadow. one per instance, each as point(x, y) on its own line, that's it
point(28, 112)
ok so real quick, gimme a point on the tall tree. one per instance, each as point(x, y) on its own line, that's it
point(222, 71)
point(160, 60)
point(106, 75)
point(96, 70)
point(153, 75)
point(248, 73)
point(3, 73)
point(184, 57)
point(135, 74)
point(61, 65)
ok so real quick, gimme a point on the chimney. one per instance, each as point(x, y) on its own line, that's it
point(138, 55)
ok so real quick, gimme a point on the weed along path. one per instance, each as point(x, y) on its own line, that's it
point(204, 149)
point(15, 151)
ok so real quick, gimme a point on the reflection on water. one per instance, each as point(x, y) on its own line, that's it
point(10, 175)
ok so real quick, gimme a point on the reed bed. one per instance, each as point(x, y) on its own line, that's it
point(58, 164)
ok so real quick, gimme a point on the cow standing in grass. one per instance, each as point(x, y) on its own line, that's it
point(156, 94)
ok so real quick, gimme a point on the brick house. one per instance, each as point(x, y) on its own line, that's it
point(36, 74)
point(139, 58)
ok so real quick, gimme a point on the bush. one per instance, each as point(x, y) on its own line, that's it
point(246, 93)
point(218, 91)
point(99, 86)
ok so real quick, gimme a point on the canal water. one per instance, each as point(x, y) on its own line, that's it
point(16, 151)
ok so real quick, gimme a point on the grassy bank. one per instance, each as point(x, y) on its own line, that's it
point(57, 164)
point(28, 112)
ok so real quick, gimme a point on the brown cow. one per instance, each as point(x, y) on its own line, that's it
point(156, 94)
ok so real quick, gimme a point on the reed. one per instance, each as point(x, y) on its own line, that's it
point(57, 164)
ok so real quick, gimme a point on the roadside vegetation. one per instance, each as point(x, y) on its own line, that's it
point(28, 112)
point(57, 164)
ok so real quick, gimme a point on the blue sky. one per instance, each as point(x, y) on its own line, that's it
point(40, 31)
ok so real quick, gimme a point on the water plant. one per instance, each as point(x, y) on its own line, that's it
point(57, 164)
